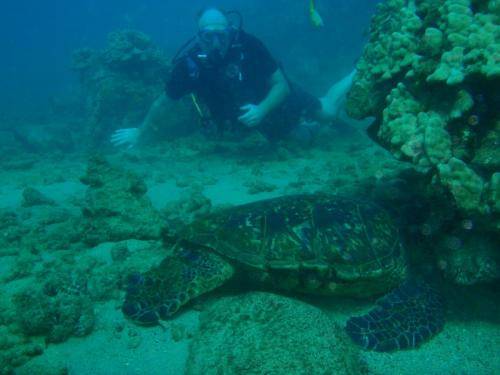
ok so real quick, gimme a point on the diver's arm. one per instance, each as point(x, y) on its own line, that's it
point(131, 136)
point(254, 114)
point(155, 114)
point(277, 94)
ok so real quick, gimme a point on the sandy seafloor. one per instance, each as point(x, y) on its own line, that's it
point(469, 344)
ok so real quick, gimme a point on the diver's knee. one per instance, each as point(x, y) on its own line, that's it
point(304, 132)
point(328, 111)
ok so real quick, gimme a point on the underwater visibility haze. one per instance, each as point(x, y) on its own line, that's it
point(250, 187)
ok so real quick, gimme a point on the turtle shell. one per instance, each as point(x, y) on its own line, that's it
point(354, 239)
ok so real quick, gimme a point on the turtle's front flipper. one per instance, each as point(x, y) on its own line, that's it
point(160, 292)
point(404, 318)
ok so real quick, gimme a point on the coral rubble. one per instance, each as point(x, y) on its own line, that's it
point(56, 267)
point(33, 197)
point(116, 207)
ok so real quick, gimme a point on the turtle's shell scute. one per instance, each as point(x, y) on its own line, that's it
point(351, 238)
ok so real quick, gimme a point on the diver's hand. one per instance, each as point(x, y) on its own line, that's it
point(253, 116)
point(128, 137)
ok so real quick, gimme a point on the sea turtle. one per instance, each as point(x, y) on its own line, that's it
point(310, 243)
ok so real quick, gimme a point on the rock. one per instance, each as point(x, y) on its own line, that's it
point(437, 140)
point(263, 333)
point(116, 207)
point(121, 81)
point(18, 164)
point(190, 205)
point(488, 153)
point(32, 197)
point(494, 195)
point(465, 185)
point(433, 39)
point(257, 186)
point(39, 229)
point(12, 233)
point(450, 69)
point(15, 351)
point(41, 366)
point(56, 317)
point(429, 75)
point(468, 259)
point(120, 252)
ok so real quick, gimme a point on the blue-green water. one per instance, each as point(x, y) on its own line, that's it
point(38, 38)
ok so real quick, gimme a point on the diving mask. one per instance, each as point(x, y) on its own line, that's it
point(215, 43)
point(215, 38)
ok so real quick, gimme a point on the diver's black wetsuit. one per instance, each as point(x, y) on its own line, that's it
point(243, 77)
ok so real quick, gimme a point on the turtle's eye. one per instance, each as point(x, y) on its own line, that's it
point(130, 309)
point(190, 255)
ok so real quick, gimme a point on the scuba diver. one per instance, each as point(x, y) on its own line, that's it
point(236, 85)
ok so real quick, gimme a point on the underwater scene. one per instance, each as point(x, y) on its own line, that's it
point(250, 187)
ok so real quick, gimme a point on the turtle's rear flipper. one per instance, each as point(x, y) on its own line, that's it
point(160, 292)
point(404, 318)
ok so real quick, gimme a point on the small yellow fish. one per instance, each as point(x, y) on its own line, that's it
point(314, 16)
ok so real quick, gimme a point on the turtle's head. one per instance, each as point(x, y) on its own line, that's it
point(147, 300)
point(161, 292)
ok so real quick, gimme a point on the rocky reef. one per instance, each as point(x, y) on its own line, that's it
point(430, 76)
point(121, 81)
point(15, 351)
point(57, 262)
point(33, 231)
point(115, 207)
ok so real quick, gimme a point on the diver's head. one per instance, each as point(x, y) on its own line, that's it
point(212, 19)
point(214, 33)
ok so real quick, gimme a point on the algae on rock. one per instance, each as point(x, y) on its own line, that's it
point(54, 317)
point(264, 333)
point(39, 228)
point(121, 81)
point(430, 75)
point(116, 207)
point(452, 78)
point(469, 258)
point(464, 184)
point(15, 350)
